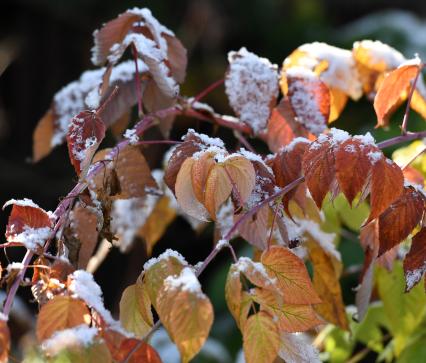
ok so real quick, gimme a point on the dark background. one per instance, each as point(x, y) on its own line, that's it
point(46, 44)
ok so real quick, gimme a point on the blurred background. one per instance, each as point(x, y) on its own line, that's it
point(45, 44)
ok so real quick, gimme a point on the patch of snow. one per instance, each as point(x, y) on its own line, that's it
point(21, 203)
point(132, 136)
point(164, 256)
point(185, 281)
point(289, 147)
point(251, 84)
point(31, 237)
point(380, 54)
point(366, 139)
point(244, 264)
point(412, 277)
point(81, 335)
point(375, 156)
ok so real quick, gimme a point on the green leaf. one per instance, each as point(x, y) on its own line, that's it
point(415, 352)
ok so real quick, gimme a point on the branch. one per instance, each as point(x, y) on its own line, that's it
point(206, 91)
point(409, 136)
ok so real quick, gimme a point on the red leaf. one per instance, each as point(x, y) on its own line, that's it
point(28, 223)
point(85, 133)
point(353, 166)
point(415, 261)
point(318, 167)
point(402, 216)
point(386, 185)
point(310, 99)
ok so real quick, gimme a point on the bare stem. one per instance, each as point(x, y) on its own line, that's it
point(410, 96)
point(207, 90)
point(409, 136)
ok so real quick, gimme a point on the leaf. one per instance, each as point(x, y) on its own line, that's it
point(144, 353)
point(85, 133)
point(96, 352)
point(84, 227)
point(28, 223)
point(309, 98)
point(282, 126)
point(200, 172)
point(134, 174)
point(157, 223)
point(185, 192)
point(327, 285)
point(353, 155)
point(42, 136)
point(387, 183)
point(255, 229)
point(318, 168)
point(415, 260)
point(291, 274)
point(261, 339)
point(4, 341)
point(295, 349)
point(393, 90)
point(402, 216)
point(251, 84)
point(186, 312)
point(133, 301)
point(153, 276)
point(291, 318)
point(62, 312)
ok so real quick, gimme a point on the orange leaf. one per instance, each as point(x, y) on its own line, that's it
point(200, 171)
point(352, 155)
point(415, 260)
point(291, 318)
point(386, 186)
point(402, 216)
point(318, 168)
point(291, 275)
point(134, 174)
point(42, 136)
point(392, 90)
point(309, 98)
point(62, 312)
point(261, 339)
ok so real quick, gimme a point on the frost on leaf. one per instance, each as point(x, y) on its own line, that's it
point(415, 260)
point(72, 99)
point(310, 99)
point(295, 348)
point(28, 224)
point(155, 44)
point(252, 87)
point(186, 312)
point(84, 135)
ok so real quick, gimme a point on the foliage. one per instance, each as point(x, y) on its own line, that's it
point(289, 206)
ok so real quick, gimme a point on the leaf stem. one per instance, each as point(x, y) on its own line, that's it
point(409, 136)
point(207, 90)
point(410, 96)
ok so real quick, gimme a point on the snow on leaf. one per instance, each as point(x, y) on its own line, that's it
point(28, 223)
point(309, 98)
point(84, 135)
point(251, 84)
point(292, 277)
point(415, 260)
point(295, 348)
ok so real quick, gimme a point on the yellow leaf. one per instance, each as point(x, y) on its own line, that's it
point(291, 274)
point(242, 174)
point(292, 318)
point(338, 100)
point(62, 312)
point(326, 283)
point(261, 339)
point(134, 306)
point(186, 313)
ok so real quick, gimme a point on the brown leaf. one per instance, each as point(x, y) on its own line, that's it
point(393, 90)
point(84, 135)
point(261, 339)
point(319, 169)
point(402, 216)
point(62, 312)
point(386, 186)
point(352, 155)
point(291, 275)
point(255, 229)
point(415, 260)
point(42, 136)
point(291, 318)
point(134, 174)
point(4, 341)
point(309, 98)
point(177, 56)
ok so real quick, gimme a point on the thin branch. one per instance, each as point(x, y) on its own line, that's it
point(409, 136)
point(410, 96)
point(244, 141)
point(207, 90)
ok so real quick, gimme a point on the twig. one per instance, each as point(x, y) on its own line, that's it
point(100, 255)
point(409, 136)
point(244, 141)
point(207, 90)
point(410, 96)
